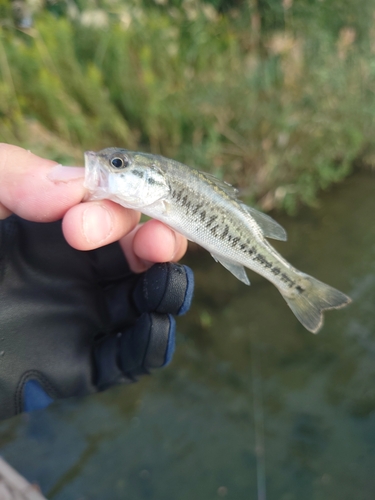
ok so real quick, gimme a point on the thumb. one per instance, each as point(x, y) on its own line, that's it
point(28, 187)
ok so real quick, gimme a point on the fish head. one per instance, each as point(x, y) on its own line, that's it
point(127, 177)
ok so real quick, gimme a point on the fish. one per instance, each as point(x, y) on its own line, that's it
point(208, 211)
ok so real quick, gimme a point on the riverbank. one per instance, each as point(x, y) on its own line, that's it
point(277, 102)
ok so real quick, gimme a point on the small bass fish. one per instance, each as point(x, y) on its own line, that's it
point(208, 212)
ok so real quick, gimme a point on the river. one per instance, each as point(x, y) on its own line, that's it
point(253, 406)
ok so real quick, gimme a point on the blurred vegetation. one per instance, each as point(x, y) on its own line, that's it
point(277, 97)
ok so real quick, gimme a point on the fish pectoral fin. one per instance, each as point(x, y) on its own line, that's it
point(162, 206)
point(236, 269)
point(270, 228)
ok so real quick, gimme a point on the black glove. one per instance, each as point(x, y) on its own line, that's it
point(73, 322)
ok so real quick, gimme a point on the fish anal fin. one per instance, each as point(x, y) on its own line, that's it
point(270, 228)
point(236, 269)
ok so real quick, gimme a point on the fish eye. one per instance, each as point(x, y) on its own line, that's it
point(119, 162)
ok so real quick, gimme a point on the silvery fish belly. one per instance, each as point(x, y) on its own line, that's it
point(207, 211)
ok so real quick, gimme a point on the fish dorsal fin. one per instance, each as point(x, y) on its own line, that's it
point(270, 228)
point(224, 186)
point(236, 269)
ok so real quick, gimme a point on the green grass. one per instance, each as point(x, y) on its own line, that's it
point(282, 111)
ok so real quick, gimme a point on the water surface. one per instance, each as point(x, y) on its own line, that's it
point(253, 406)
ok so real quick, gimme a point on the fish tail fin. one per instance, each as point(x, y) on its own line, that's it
point(310, 298)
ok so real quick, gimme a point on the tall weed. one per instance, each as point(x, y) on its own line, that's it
point(282, 112)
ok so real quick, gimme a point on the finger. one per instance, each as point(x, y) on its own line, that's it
point(152, 242)
point(4, 212)
point(149, 344)
point(28, 189)
point(93, 224)
point(165, 288)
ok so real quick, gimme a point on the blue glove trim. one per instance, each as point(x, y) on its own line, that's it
point(34, 396)
point(171, 345)
point(189, 291)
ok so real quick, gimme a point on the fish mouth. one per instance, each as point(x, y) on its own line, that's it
point(95, 177)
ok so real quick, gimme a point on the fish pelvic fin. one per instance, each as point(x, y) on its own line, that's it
point(311, 298)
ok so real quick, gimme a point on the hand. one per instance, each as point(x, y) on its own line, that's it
point(74, 322)
point(40, 190)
